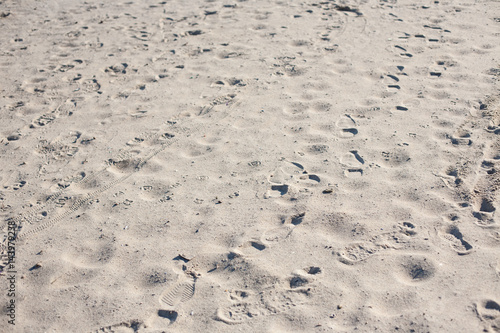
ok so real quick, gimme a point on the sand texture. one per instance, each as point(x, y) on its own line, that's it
point(250, 166)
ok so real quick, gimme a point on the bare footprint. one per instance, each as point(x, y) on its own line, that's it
point(276, 191)
point(484, 212)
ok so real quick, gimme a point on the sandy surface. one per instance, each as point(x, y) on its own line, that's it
point(253, 166)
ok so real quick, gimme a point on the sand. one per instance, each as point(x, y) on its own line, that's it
point(250, 166)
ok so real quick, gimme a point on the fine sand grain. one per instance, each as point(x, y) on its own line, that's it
point(250, 166)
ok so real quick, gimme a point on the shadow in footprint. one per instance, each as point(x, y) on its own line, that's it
point(351, 131)
point(282, 189)
point(297, 219)
point(489, 312)
point(315, 178)
point(313, 270)
point(357, 156)
point(258, 246)
point(453, 235)
point(170, 315)
point(298, 281)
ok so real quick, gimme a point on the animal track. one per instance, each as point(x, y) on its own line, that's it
point(356, 252)
point(277, 234)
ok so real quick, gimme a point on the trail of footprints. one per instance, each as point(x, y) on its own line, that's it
point(292, 177)
point(296, 290)
point(481, 194)
point(59, 206)
point(485, 193)
point(244, 304)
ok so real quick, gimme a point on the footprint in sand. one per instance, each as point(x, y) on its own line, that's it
point(356, 252)
point(15, 186)
point(461, 138)
point(171, 301)
point(246, 305)
point(279, 184)
point(279, 234)
point(456, 240)
point(354, 163)
point(360, 251)
point(250, 248)
point(392, 82)
point(488, 312)
point(402, 52)
point(288, 176)
point(299, 174)
point(346, 127)
point(303, 277)
point(179, 293)
point(272, 236)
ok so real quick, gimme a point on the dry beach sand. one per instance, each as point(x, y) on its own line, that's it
point(250, 166)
